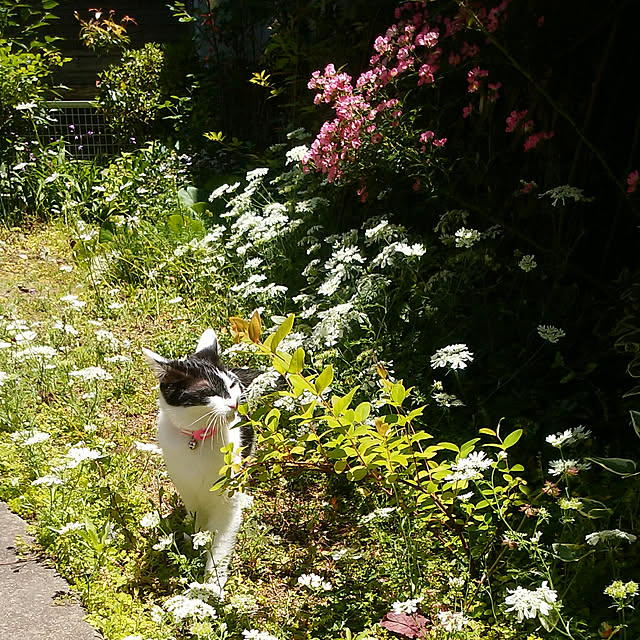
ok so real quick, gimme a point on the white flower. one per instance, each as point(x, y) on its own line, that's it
point(203, 590)
point(25, 106)
point(446, 399)
point(469, 467)
point(65, 328)
point(73, 301)
point(164, 542)
point(572, 504)
point(527, 603)
point(37, 437)
point(550, 333)
point(107, 339)
point(455, 356)
point(25, 336)
point(254, 634)
point(528, 263)
point(567, 467)
point(314, 581)
point(4, 376)
point(201, 539)
point(378, 514)
point(175, 300)
point(77, 455)
point(568, 437)
point(256, 174)
point(452, 620)
point(66, 268)
point(406, 606)
point(296, 154)
point(466, 238)
point(182, 607)
point(69, 527)
point(150, 520)
point(417, 249)
point(377, 232)
point(149, 447)
point(37, 353)
point(117, 359)
point(91, 374)
point(609, 535)
point(48, 480)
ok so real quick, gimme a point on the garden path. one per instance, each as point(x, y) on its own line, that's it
point(35, 602)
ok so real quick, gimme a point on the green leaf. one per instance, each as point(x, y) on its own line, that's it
point(324, 379)
point(568, 552)
point(362, 411)
point(339, 466)
point(488, 432)
point(635, 421)
point(357, 473)
point(619, 466)
point(283, 330)
point(297, 361)
point(512, 438)
point(398, 393)
point(340, 404)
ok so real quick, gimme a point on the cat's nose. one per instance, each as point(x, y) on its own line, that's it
point(233, 405)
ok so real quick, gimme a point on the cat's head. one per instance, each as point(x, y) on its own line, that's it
point(197, 391)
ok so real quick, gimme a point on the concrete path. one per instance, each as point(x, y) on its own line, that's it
point(35, 602)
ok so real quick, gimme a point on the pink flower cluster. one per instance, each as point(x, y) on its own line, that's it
point(515, 118)
point(536, 138)
point(363, 113)
point(632, 181)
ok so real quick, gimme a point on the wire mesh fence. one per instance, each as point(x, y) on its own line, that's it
point(83, 128)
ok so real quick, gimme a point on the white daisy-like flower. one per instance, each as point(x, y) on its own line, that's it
point(73, 301)
point(454, 356)
point(256, 174)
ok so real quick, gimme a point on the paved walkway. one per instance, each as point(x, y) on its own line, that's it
point(35, 602)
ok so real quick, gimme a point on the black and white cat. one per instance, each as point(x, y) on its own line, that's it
point(198, 400)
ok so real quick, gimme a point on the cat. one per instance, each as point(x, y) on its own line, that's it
point(198, 402)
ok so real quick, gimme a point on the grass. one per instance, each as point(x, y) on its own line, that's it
point(299, 526)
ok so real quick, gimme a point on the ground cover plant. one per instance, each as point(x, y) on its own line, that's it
point(451, 455)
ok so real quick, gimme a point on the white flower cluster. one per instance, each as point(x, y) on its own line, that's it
point(530, 603)
point(254, 634)
point(452, 620)
point(466, 238)
point(568, 437)
point(181, 607)
point(386, 258)
point(455, 356)
point(91, 374)
point(407, 606)
point(315, 582)
point(568, 467)
point(609, 536)
point(378, 514)
point(333, 323)
point(469, 467)
point(201, 539)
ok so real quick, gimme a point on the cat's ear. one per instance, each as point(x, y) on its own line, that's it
point(157, 363)
point(208, 341)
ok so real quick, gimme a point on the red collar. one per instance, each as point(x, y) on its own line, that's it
point(199, 435)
